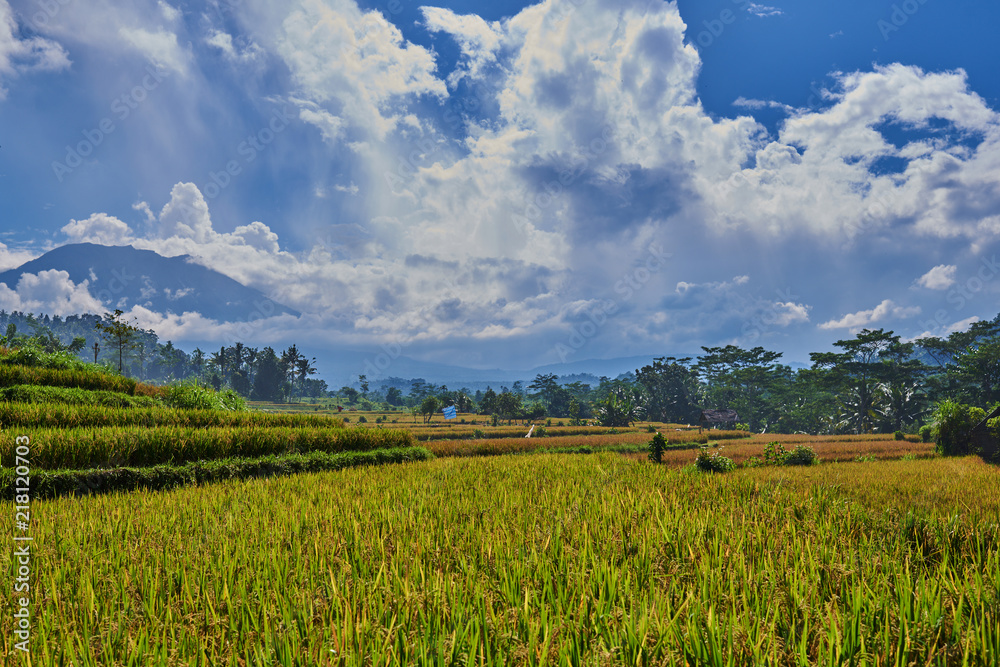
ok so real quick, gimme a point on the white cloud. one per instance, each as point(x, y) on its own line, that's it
point(160, 47)
point(885, 310)
point(331, 127)
point(939, 278)
point(478, 39)
point(99, 228)
point(763, 10)
point(357, 62)
point(19, 55)
point(50, 292)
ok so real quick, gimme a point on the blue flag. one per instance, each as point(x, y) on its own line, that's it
point(450, 412)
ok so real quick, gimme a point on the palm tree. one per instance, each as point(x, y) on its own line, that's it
point(621, 408)
point(861, 408)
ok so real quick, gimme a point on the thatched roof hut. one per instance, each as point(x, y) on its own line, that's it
point(719, 418)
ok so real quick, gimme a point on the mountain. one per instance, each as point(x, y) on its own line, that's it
point(122, 277)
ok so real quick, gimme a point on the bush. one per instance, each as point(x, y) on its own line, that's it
point(713, 462)
point(953, 423)
point(925, 433)
point(478, 434)
point(540, 432)
point(362, 419)
point(801, 456)
point(656, 447)
point(898, 435)
point(190, 396)
point(774, 454)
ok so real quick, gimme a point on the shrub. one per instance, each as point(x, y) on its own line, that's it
point(650, 428)
point(540, 432)
point(774, 454)
point(656, 447)
point(713, 462)
point(801, 456)
point(740, 426)
point(190, 396)
point(925, 433)
point(953, 423)
point(479, 434)
point(362, 420)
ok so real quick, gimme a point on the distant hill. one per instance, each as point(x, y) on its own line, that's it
point(122, 277)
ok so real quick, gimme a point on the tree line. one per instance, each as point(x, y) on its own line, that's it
point(872, 382)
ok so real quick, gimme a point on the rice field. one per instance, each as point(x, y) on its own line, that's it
point(527, 560)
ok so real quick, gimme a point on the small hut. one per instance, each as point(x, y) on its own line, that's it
point(985, 443)
point(718, 419)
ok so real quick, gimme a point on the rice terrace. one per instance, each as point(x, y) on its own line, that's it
point(172, 524)
point(523, 333)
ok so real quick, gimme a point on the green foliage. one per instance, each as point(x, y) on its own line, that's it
point(540, 432)
point(52, 377)
point(656, 447)
point(714, 462)
point(899, 435)
point(926, 433)
point(191, 396)
point(77, 448)
point(53, 484)
point(953, 423)
point(619, 408)
point(30, 355)
point(28, 393)
point(801, 456)
point(741, 426)
point(429, 407)
point(65, 415)
point(120, 333)
point(775, 454)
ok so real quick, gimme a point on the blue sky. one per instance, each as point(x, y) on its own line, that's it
point(505, 184)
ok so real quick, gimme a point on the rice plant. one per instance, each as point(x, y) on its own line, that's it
point(531, 560)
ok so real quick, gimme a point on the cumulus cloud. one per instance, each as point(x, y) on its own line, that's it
point(19, 55)
point(99, 228)
point(478, 39)
point(160, 47)
point(885, 310)
point(375, 66)
point(51, 292)
point(939, 278)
